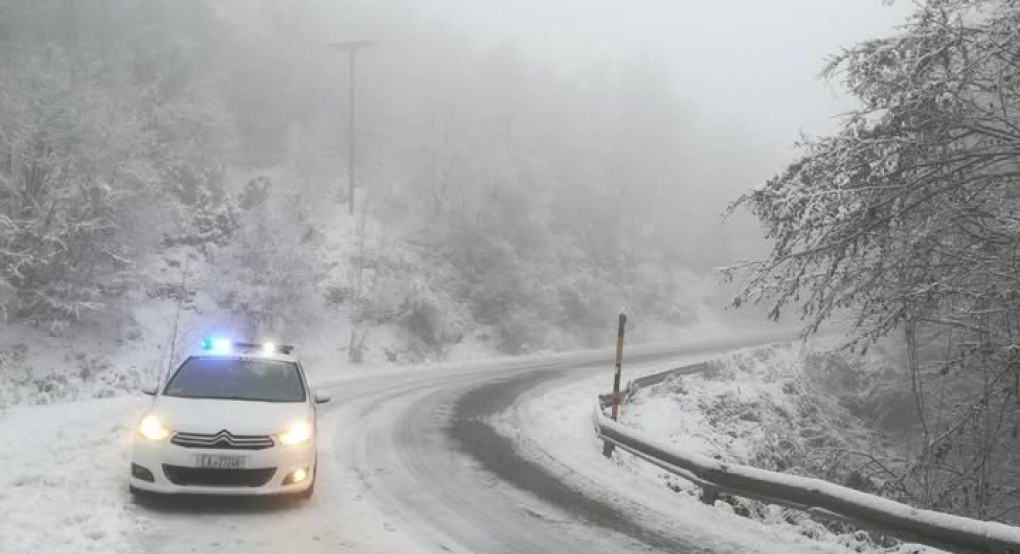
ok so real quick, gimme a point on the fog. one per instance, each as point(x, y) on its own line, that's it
point(743, 73)
point(513, 162)
point(755, 62)
point(747, 66)
point(450, 211)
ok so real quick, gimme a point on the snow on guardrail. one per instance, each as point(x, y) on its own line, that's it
point(814, 496)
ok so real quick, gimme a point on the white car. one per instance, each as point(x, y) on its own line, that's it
point(235, 419)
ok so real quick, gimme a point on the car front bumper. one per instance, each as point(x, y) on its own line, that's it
point(166, 462)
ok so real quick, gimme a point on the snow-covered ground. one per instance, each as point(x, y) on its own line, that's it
point(733, 412)
point(62, 488)
point(64, 491)
point(757, 407)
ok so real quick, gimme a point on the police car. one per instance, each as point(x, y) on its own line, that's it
point(234, 419)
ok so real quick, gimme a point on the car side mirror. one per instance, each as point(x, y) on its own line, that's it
point(322, 397)
point(149, 390)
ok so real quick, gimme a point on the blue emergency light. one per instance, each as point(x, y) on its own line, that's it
point(218, 345)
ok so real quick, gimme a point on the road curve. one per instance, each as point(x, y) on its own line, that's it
point(410, 461)
point(431, 454)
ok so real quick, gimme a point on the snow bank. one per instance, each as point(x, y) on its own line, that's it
point(760, 409)
point(546, 422)
point(63, 485)
point(809, 493)
point(553, 427)
point(756, 408)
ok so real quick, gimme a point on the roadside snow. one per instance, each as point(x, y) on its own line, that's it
point(756, 407)
point(554, 427)
point(63, 487)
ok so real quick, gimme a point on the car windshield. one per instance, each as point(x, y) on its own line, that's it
point(237, 379)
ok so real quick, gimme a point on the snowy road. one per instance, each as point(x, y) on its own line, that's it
point(421, 461)
point(409, 464)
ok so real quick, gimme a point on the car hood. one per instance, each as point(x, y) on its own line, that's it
point(198, 415)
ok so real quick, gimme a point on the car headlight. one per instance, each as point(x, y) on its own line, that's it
point(296, 434)
point(152, 428)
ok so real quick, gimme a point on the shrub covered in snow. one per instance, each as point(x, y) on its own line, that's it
point(787, 409)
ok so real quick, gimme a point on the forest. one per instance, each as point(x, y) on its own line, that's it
point(143, 142)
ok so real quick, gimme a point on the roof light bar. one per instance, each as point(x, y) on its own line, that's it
point(219, 345)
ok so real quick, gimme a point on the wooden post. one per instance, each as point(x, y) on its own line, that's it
point(619, 366)
point(607, 447)
point(352, 47)
point(352, 129)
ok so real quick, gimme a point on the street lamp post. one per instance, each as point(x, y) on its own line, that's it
point(352, 48)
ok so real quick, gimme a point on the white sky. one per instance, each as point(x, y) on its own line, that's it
point(749, 61)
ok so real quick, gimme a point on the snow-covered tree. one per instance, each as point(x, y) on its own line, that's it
point(104, 144)
point(908, 220)
point(72, 163)
point(267, 276)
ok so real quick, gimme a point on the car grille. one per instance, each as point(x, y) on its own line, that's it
point(223, 441)
point(209, 477)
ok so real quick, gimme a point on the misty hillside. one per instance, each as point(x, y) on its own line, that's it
point(193, 156)
point(453, 209)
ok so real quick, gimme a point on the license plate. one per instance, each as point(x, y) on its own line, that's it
point(220, 462)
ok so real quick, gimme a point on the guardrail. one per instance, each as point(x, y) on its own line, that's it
point(813, 496)
point(639, 383)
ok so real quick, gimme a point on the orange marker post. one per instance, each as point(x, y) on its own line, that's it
point(607, 448)
point(619, 366)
